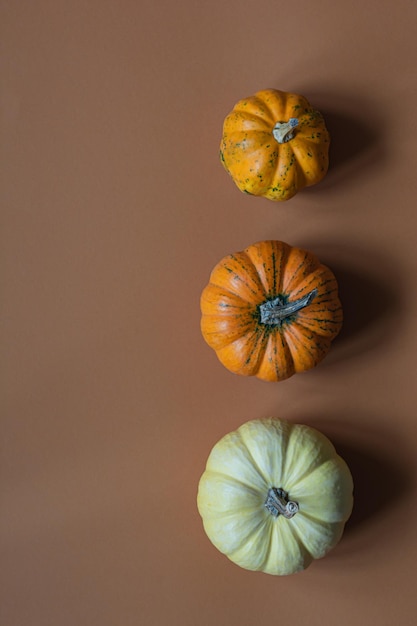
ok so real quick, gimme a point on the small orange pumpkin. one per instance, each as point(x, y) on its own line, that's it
point(275, 143)
point(270, 311)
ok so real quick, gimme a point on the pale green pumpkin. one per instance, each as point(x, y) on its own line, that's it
point(275, 496)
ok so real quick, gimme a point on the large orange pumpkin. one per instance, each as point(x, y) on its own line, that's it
point(275, 143)
point(270, 311)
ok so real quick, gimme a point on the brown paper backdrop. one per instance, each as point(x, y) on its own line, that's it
point(114, 210)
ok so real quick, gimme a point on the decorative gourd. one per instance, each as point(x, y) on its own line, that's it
point(270, 311)
point(275, 143)
point(275, 496)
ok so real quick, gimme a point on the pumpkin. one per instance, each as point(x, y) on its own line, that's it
point(275, 143)
point(270, 311)
point(275, 496)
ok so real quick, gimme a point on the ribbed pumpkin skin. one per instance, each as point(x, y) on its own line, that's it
point(261, 166)
point(242, 282)
point(232, 491)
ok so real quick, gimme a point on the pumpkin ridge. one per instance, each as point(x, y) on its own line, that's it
point(278, 107)
point(318, 520)
point(333, 311)
point(264, 254)
point(273, 337)
point(263, 96)
point(317, 167)
point(274, 273)
point(244, 270)
point(312, 277)
point(224, 266)
point(308, 556)
point(257, 102)
point(268, 539)
point(218, 342)
point(232, 293)
point(245, 303)
point(304, 129)
point(320, 298)
point(270, 360)
point(245, 538)
point(295, 274)
point(329, 314)
point(226, 515)
point(284, 163)
point(278, 278)
point(259, 169)
point(295, 280)
point(301, 179)
point(288, 350)
point(244, 317)
point(319, 537)
point(304, 319)
point(305, 552)
point(236, 137)
point(253, 335)
point(260, 339)
point(285, 527)
point(298, 343)
point(270, 426)
point(321, 324)
point(312, 121)
point(313, 140)
point(254, 463)
point(265, 289)
point(309, 472)
point(317, 339)
point(230, 477)
point(242, 114)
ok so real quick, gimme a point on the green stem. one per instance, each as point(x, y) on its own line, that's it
point(273, 312)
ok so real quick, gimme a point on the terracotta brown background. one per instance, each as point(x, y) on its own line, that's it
point(114, 210)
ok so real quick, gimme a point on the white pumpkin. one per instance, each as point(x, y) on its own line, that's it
point(275, 496)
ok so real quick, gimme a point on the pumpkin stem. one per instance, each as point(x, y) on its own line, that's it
point(284, 131)
point(278, 503)
point(273, 312)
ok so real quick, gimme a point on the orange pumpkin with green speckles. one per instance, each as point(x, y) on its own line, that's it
point(275, 143)
point(270, 311)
